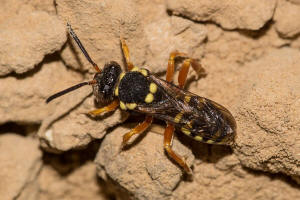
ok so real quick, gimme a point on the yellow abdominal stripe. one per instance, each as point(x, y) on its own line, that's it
point(187, 99)
point(198, 138)
point(185, 131)
point(209, 141)
point(178, 117)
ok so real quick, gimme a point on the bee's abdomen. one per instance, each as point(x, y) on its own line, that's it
point(210, 122)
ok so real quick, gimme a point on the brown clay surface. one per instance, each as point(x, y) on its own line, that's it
point(249, 49)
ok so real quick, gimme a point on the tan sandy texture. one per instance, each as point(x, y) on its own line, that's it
point(285, 16)
point(20, 169)
point(270, 140)
point(228, 14)
point(249, 49)
point(79, 184)
point(25, 38)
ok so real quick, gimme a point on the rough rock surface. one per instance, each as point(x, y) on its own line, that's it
point(26, 38)
point(269, 117)
point(19, 166)
point(28, 95)
point(285, 16)
point(229, 14)
point(249, 49)
point(100, 31)
point(79, 184)
point(143, 170)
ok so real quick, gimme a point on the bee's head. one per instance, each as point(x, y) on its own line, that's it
point(106, 81)
point(103, 84)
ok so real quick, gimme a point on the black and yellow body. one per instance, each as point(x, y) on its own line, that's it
point(139, 91)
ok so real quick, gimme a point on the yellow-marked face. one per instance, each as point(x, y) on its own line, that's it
point(149, 98)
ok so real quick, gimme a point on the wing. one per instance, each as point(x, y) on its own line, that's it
point(196, 116)
point(171, 103)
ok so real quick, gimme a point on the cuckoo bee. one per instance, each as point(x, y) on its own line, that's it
point(137, 90)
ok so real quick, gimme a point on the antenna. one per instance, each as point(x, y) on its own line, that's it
point(74, 36)
point(70, 89)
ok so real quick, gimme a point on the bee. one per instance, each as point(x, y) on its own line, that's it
point(138, 90)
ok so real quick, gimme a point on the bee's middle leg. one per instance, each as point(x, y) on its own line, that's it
point(140, 128)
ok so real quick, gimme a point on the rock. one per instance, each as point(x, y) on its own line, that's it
point(252, 15)
point(295, 1)
point(99, 25)
point(285, 18)
point(27, 95)
point(26, 38)
point(165, 35)
point(268, 116)
point(144, 170)
point(76, 129)
point(79, 184)
point(20, 165)
point(227, 179)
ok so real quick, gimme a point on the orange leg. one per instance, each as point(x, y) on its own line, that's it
point(112, 106)
point(140, 128)
point(169, 131)
point(171, 64)
point(184, 69)
point(168, 137)
point(126, 54)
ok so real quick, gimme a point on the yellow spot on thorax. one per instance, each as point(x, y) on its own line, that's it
point(153, 88)
point(149, 98)
point(131, 106)
point(122, 105)
point(134, 69)
point(144, 72)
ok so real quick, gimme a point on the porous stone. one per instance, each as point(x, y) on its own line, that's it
point(26, 38)
point(251, 15)
point(268, 116)
point(19, 166)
